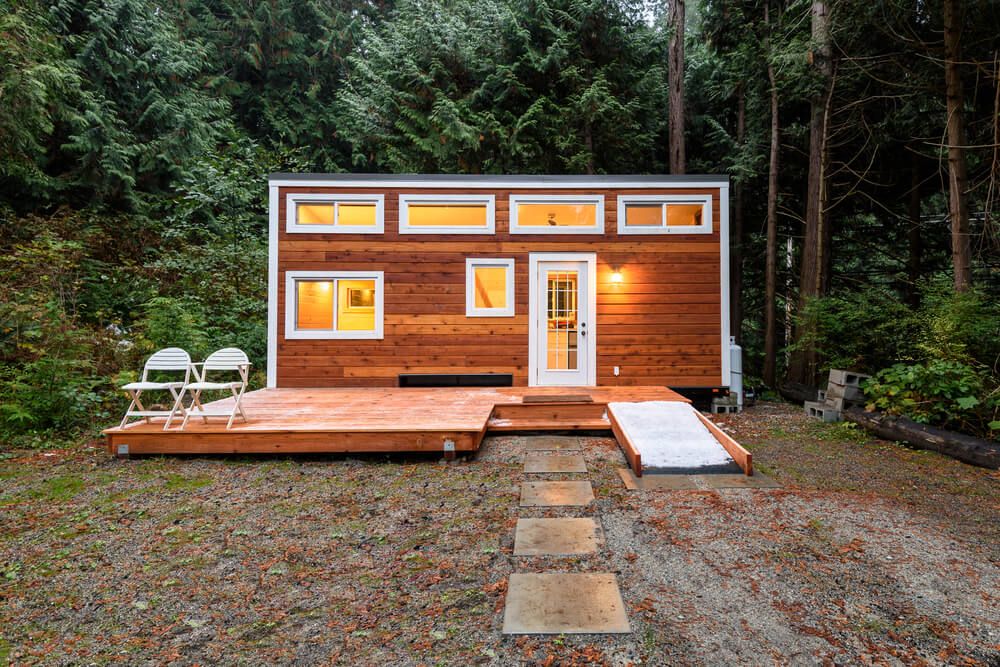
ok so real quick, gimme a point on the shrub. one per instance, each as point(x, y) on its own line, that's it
point(864, 331)
point(948, 393)
point(963, 326)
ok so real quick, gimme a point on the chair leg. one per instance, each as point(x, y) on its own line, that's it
point(178, 405)
point(129, 410)
point(239, 402)
point(187, 415)
point(236, 408)
point(201, 408)
point(142, 408)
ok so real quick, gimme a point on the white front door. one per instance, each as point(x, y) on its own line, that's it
point(562, 317)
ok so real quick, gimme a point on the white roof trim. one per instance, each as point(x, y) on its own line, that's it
point(513, 183)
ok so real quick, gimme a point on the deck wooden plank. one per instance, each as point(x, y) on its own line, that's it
point(378, 419)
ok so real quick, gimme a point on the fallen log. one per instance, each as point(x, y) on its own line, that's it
point(797, 392)
point(966, 448)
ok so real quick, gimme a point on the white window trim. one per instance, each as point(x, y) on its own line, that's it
point(293, 333)
point(404, 213)
point(706, 213)
point(293, 199)
point(470, 288)
point(598, 227)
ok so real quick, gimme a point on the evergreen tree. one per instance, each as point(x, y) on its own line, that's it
point(530, 86)
point(143, 111)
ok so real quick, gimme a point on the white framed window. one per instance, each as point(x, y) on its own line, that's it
point(665, 214)
point(447, 214)
point(328, 213)
point(489, 287)
point(334, 304)
point(556, 214)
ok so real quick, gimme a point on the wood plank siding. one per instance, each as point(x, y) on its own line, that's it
point(661, 325)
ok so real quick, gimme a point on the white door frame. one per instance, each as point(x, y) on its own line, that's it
point(534, 259)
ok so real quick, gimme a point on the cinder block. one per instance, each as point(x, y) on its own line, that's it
point(725, 405)
point(821, 411)
point(849, 393)
point(821, 395)
point(838, 404)
point(847, 378)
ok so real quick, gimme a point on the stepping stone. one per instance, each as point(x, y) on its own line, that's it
point(564, 603)
point(555, 537)
point(556, 494)
point(535, 463)
point(541, 443)
point(754, 481)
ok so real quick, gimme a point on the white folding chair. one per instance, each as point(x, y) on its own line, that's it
point(227, 359)
point(171, 359)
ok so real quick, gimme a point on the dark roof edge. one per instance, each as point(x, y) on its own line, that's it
point(504, 178)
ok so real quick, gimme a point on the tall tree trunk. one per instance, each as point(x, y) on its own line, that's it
point(914, 243)
point(958, 210)
point(771, 262)
point(789, 297)
point(675, 74)
point(736, 232)
point(815, 263)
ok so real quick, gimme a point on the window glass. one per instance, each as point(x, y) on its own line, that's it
point(315, 213)
point(644, 215)
point(683, 215)
point(355, 305)
point(556, 214)
point(447, 215)
point(491, 286)
point(356, 215)
point(352, 300)
point(314, 304)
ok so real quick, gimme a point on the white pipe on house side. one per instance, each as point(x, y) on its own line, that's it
point(736, 371)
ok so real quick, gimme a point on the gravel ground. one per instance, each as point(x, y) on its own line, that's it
point(871, 553)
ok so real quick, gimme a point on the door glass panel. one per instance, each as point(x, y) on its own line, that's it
point(562, 316)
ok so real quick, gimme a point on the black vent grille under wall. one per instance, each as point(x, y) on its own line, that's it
point(701, 397)
point(456, 380)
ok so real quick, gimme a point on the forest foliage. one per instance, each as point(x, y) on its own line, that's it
point(135, 139)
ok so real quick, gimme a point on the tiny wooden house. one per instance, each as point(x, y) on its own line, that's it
point(383, 280)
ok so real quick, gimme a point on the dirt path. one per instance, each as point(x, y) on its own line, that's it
point(887, 557)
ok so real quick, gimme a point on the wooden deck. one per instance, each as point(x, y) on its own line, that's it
point(382, 419)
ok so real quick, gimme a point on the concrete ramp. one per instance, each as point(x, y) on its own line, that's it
point(672, 437)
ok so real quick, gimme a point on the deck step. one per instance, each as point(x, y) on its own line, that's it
point(554, 416)
point(548, 425)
